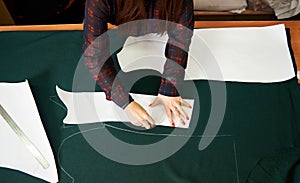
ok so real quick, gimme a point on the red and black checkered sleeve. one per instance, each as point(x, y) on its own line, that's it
point(176, 51)
point(97, 57)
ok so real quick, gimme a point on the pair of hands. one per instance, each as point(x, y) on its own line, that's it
point(138, 116)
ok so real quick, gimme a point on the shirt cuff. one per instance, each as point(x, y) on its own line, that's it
point(119, 97)
point(168, 88)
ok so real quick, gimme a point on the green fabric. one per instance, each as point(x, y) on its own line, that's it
point(260, 119)
point(277, 168)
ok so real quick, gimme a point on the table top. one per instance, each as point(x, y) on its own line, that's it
point(259, 120)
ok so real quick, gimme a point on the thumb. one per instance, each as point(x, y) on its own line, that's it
point(155, 102)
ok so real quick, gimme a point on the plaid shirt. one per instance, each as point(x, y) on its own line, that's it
point(98, 59)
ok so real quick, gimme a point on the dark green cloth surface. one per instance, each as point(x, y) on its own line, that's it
point(279, 167)
point(260, 120)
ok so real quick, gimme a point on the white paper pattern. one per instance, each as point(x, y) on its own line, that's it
point(248, 54)
point(18, 101)
point(91, 107)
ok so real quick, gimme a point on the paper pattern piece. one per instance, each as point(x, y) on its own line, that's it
point(248, 54)
point(91, 107)
point(17, 100)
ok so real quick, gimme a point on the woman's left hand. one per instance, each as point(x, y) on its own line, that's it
point(173, 107)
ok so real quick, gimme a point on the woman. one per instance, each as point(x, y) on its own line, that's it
point(100, 12)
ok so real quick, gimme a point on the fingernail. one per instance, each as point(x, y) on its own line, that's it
point(150, 105)
point(190, 107)
point(173, 124)
point(187, 118)
point(183, 123)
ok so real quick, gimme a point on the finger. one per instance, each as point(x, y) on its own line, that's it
point(155, 102)
point(151, 121)
point(178, 116)
point(169, 116)
point(137, 124)
point(184, 103)
point(183, 113)
point(145, 124)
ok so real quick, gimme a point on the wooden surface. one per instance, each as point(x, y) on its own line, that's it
point(247, 12)
point(293, 25)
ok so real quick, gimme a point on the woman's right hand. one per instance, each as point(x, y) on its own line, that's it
point(138, 116)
